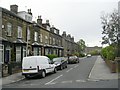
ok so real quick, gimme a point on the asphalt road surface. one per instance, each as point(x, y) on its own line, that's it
point(75, 76)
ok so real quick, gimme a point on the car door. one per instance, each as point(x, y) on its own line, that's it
point(51, 66)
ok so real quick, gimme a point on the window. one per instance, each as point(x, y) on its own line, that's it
point(35, 36)
point(50, 40)
point(35, 51)
point(40, 53)
point(24, 51)
point(59, 43)
point(18, 53)
point(46, 51)
point(40, 37)
point(19, 32)
point(55, 31)
point(28, 33)
point(53, 41)
point(46, 39)
point(1, 53)
point(9, 29)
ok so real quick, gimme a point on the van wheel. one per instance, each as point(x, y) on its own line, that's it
point(43, 74)
point(27, 77)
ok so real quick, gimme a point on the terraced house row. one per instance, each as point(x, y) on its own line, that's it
point(20, 37)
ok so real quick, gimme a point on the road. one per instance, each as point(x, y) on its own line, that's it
point(75, 76)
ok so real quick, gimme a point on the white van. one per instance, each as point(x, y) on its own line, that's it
point(37, 65)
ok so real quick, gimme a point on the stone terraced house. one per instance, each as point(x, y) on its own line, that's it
point(21, 37)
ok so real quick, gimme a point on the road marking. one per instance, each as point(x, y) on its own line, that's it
point(66, 82)
point(76, 66)
point(69, 70)
point(94, 80)
point(80, 81)
point(53, 80)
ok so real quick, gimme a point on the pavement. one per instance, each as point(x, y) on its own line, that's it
point(100, 71)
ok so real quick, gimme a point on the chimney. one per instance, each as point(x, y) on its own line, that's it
point(52, 28)
point(39, 20)
point(14, 8)
point(58, 32)
point(47, 21)
point(64, 34)
point(29, 11)
point(72, 39)
point(69, 36)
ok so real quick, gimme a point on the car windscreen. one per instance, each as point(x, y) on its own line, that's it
point(56, 60)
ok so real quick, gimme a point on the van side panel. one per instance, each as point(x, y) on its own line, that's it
point(43, 64)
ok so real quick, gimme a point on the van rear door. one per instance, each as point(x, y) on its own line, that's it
point(29, 65)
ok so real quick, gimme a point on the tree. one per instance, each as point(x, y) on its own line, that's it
point(82, 45)
point(110, 28)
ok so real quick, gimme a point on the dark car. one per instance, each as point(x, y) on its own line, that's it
point(60, 63)
point(73, 59)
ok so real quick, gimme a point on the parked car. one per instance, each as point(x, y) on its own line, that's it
point(89, 55)
point(73, 59)
point(37, 65)
point(60, 63)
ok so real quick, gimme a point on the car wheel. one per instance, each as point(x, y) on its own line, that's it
point(66, 66)
point(43, 74)
point(61, 67)
point(55, 70)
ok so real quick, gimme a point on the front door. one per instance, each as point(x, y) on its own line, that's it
point(7, 54)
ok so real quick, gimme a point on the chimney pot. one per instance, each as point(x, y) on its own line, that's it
point(39, 20)
point(47, 21)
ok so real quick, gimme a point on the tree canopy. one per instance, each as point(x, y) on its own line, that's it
point(82, 45)
point(110, 28)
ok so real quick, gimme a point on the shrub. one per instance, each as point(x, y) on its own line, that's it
point(51, 56)
point(82, 55)
point(109, 52)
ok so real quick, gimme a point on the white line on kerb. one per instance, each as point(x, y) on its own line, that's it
point(53, 80)
point(69, 70)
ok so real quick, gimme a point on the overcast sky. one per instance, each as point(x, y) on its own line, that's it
point(80, 18)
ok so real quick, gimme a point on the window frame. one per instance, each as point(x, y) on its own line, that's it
point(2, 50)
point(19, 32)
point(9, 29)
point(35, 36)
point(19, 54)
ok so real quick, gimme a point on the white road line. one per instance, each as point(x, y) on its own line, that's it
point(76, 66)
point(66, 82)
point(80, 81)
point(53, 80)
point(69, 70)
point(95, 80)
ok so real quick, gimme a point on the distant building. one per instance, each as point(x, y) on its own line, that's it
point(90, 49)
